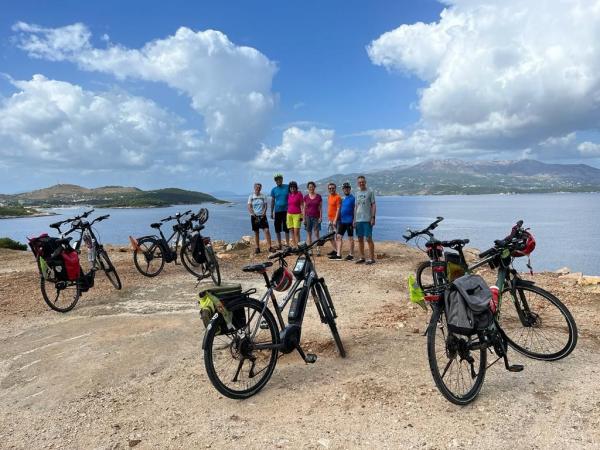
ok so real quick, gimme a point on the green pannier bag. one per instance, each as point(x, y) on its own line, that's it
point(214, 300)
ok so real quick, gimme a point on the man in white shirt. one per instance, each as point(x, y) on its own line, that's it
point(257, 207)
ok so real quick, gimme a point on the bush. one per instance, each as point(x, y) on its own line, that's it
point(11, 244)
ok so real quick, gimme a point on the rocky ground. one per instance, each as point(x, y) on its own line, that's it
point(125, 369)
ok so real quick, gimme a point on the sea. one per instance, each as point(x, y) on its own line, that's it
point(566, 225)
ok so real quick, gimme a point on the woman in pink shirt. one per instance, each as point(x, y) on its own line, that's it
point(313, 213)
point(295, 212)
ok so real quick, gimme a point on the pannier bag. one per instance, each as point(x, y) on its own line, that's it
point(215, 300)
point(197, 245)
point(454, 268)
point(467, 302)
point(55, 263)
point(71, 262)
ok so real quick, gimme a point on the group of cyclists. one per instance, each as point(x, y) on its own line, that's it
point(347, 214)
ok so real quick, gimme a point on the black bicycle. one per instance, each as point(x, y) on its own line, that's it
point(240, 355)
point(197, 253)
point(62, 279)
point(538, 325)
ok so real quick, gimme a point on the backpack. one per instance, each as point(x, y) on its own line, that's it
point(214, 300)
point(467, 301)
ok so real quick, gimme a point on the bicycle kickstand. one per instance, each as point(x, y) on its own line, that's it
point(308, 358)
point(512, 367)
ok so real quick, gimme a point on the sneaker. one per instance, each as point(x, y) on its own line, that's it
point(370, 261)
point(349, 258)
point(256, 251)
point(360, 261)
point(331, 253)
point(335, 257)
point(272, 250)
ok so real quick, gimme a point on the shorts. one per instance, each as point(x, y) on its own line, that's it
point(345, 228)
point(330, 227)
point(259, 223)
point(280, 222)
point(293, 220)
point(364, 229)
point(312, 223)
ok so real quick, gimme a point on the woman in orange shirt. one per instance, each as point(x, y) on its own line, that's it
point(333, 210)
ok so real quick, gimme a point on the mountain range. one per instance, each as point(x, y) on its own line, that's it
point(455, 176)
point(106, 196)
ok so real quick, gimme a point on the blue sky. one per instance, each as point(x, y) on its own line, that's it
point(308, 88)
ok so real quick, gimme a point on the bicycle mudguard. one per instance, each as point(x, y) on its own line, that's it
point(149, 236)
point(521, 282)
point(211, 324)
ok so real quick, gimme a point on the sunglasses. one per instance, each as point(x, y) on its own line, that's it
point(331, 188)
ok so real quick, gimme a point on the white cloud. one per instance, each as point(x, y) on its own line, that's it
point(229, 85)
point(310, 151)
point(54, 125)
point(501, 76)
point(589, 149)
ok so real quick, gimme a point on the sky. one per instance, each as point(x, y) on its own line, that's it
point(213, 96)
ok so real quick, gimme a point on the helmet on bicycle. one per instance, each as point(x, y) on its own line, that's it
point(527, 245)
point(281, 280)
point(202, 216)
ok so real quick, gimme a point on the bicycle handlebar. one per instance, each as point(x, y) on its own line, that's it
point(432, 226)
point(302, 248)
point(509, 242)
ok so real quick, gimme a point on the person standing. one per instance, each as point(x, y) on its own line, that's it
point(313, 213)
point(333, 209)
point(279, 206)
point(345, 225)
point(295, 212)
point(257, 207)
point(364, 220)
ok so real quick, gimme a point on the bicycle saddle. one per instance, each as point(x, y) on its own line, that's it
point(258, 267)
point(156, 225)
point(56, 225)
point(64, 240)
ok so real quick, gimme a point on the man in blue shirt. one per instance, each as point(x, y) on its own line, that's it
point(345, 223)
point(279, 205)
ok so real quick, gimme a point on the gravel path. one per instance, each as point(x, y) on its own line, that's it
point(125, 369)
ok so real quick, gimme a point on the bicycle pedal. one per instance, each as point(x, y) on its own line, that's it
point(311, 358)
point(264, 325)
point(515, 367)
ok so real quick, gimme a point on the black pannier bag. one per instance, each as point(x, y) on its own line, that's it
point(197, 246)
point(49, 250)
point(467, 303)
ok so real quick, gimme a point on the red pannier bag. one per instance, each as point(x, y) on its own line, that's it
point(71, 260)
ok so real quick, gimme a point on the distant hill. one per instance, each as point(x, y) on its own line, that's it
point(455, 176)
point(106, 196)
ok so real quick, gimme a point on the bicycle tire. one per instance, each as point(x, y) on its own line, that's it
point(213, 265)
point(109, 269)
point(148, 250)
point(438, 322)
point(193, 267)
point(225, 349)
point(543, 325)
point(54, 302)
point(329, 318)
point(424, 276)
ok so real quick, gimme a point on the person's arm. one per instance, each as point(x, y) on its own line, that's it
point(373, 210)
point(302, 209)
point(250, 206)
point(272, 205)
point(338, 212)
point(320, 209)
point(266, 206)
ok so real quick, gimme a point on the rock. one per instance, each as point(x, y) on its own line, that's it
point(123, 249)
point(381, 255)
point(246, 239)
point(324, 442)
point(134, 442)
point(228, 247)
point(563, 271)
point(588, 281)
point(571, 276)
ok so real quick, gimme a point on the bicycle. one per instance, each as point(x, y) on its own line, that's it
point(197, 253)
point(537, 314)
point(68, 289)
point(253, 340)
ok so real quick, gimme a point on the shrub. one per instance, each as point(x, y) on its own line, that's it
point(11, 244)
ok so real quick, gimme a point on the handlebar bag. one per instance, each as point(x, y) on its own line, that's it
point(467, 303)
point(215, 300)
point(71, 261)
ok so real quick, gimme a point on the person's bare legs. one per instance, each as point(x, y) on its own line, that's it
point(287, 238)
point(256, 240)
point(371, 248)
point(361, 247)
point(339, 244)
point(268, 237)
point(351, 239)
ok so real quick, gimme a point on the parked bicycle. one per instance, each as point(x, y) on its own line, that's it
point(195, 251)
point(537, 325)
point(62, 279)
point(240, 355)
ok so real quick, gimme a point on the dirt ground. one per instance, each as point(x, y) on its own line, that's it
point(125, 369)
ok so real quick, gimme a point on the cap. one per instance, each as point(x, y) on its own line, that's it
point(277, 175)
point(346, 185)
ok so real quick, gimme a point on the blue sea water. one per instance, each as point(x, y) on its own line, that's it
point(566, 226)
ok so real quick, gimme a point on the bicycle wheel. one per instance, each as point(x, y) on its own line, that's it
point(61, 296)
point(326, 307)
point(235, 368)
point(424, 276)
point(537, 324)
point(185, 255)
point(457, 371)
point(212, 264)
point(109, 268)
point(148, 257)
